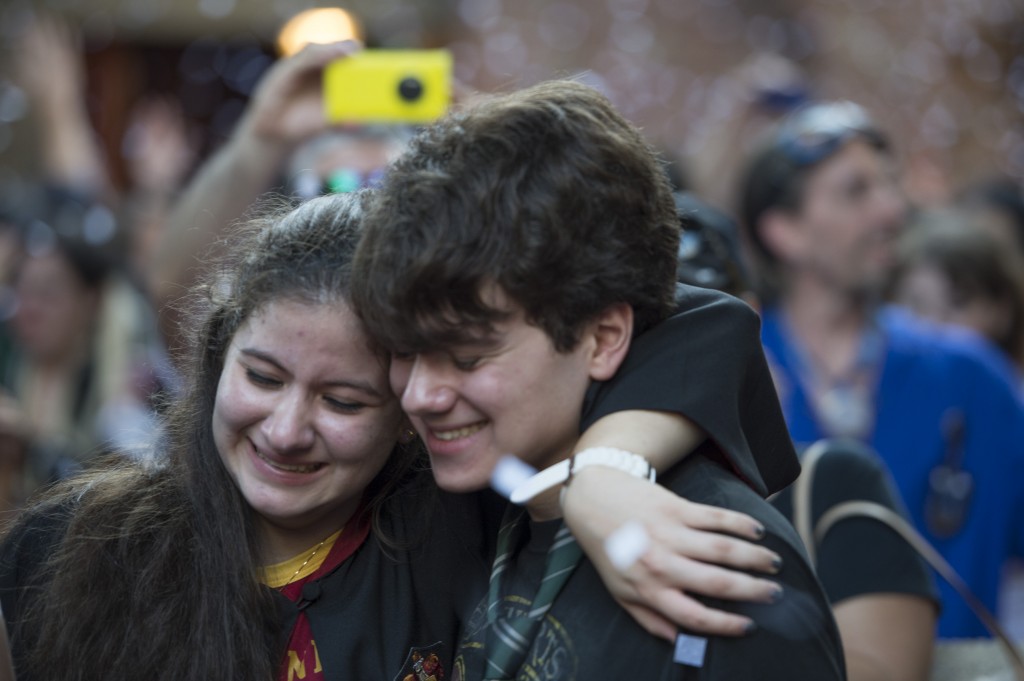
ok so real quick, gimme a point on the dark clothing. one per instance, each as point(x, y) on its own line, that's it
point(707, 364)
point(586, 635)
point(377, 608)
point(861, 556)
point(371, 614)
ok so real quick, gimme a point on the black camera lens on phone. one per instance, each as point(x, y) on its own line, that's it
point(410, 88)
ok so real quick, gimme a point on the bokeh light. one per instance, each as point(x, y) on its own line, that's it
point(701, 77)
point(317, 25)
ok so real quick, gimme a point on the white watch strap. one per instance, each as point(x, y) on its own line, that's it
point(560, 473)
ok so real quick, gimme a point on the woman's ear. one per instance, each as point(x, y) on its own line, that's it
point(406, 433)
point(611, 334)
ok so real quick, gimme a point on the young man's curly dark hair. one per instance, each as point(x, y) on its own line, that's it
point(547, 192)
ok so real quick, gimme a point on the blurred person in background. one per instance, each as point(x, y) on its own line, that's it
point(953, 272)
point(964, 266)
point(762, 89)
point(84, 366)
point(283, 142)
point(821, 209)
point(49, 66)
point(997, 206)
point(884, 600)
point(52, 377)
point(159, 150)
point(710, 252)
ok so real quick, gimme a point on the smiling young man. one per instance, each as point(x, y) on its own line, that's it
point(508, 260)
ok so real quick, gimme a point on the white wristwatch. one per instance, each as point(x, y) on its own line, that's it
point(562, 472)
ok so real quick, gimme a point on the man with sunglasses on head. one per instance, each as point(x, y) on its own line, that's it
point(822, 211)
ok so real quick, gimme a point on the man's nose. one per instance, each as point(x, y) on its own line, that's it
point(430, 387)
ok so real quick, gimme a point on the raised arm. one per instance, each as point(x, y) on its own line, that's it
point(50, 67)
point(286, 110)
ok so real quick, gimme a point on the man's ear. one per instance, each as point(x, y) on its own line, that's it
point(611, 333)
point(780, 232)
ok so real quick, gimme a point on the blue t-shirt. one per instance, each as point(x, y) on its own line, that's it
point(928, 379)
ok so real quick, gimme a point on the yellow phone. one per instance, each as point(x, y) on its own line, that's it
point(388, 86)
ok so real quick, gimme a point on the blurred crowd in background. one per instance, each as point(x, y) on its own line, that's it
point(108, 108)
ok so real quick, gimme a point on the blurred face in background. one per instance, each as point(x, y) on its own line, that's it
point(1000, 226)
point(928, 292)
point(55, 309)
point(342, 161)
point(845, 232)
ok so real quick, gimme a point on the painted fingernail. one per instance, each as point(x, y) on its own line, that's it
point(759, 531)
point(777, 594)
point(777, 564)
point(750, 628)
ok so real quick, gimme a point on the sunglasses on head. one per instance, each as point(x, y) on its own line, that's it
point(816, 131)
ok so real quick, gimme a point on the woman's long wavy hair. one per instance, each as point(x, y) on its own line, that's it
point(158, 574)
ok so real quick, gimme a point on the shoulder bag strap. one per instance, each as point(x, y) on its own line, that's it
point(802, 520)
point(870, 509)
point(802, 490)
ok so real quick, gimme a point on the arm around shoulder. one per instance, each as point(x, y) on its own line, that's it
point(797, 637)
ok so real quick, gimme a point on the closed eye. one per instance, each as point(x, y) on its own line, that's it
point(343, 406)
point(465, 363)
point(259, 379)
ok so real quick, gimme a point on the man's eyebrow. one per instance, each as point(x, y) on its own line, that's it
point(482, 341)
point(469, 338)
point(478, 341)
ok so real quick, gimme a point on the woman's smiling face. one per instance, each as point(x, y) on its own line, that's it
point(304, 418)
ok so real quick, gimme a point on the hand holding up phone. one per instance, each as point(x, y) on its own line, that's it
point(288, 105)
point(389, 86)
